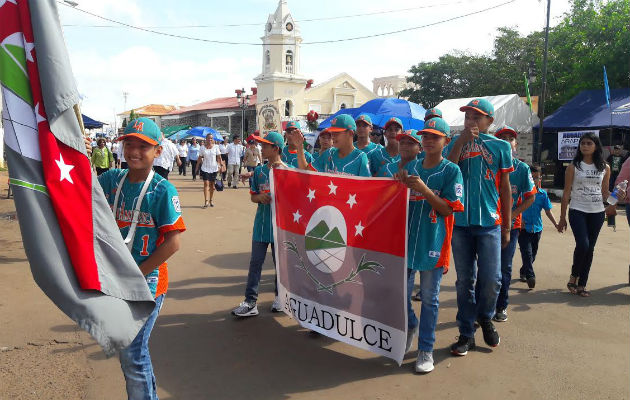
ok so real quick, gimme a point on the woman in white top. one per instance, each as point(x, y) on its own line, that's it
point(210, 163)
point(182, 149)
point(586, 186)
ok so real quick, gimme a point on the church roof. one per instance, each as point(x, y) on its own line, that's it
point(151, 109)
point(214, 104)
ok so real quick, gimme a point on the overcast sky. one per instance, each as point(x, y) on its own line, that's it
point(157, 69)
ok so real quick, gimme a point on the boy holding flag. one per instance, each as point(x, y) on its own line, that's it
point(147, 210)
point(485, 224)
point(436, 193)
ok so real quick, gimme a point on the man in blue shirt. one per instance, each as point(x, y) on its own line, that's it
point(262, 235)
point(483, 226)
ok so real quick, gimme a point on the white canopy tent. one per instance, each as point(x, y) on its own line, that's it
point(509, 109)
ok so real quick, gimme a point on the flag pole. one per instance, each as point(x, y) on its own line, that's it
point(77, 113)
point(541, 110)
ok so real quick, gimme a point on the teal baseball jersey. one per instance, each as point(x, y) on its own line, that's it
point(389, 170)
point(522, 187)
point(355, 163)
point(263, 230)
point(429, 233)
point(160, 212)
point(482, 162)
point(369, 148)
point(290, 157)
point(379, 157)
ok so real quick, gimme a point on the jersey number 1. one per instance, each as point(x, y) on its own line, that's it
point(145, 245)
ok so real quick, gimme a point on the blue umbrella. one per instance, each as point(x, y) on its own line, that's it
point(202, 132)
point(381, 110)
point(350, 111)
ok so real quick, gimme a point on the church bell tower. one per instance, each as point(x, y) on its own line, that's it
point(280, 77)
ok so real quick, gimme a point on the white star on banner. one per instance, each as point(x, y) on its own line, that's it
point(352, 200)
point(28, 49)
point(3, 2)
point(333, 188)
point(359, 229)
point(64, 170)
point(296, 216)
point(311, 195)
point(38, 116)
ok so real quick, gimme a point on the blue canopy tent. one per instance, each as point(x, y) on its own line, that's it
point(326, 123)
point(587, 111)
point(411, 114)
point(90, 123)
point(199, 132)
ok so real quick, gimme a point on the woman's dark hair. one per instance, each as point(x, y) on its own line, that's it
point(598, 155)
point(534, 168)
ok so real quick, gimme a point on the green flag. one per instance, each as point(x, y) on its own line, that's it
point(529, 99)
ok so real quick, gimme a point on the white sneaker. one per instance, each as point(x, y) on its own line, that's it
point(277, 305)
point(245, 309)
point(424, 362)
point(410, 335)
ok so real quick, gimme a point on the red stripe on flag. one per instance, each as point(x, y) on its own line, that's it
point(68, 177)
point(374, 209)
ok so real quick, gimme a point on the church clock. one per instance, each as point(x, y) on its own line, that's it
point(289, 26)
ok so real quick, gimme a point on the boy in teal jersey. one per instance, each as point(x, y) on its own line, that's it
point(523, 195)
point(289, 152)
point(147, 210)
point(343, 158)
point(409, 144)
point(262, 235)
point(437, 190)
point(389, 153)
point(325, 142)
point(432, 113)
point(364, 129)
point(485, 224)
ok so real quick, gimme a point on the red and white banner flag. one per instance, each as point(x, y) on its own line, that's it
point(341, 247)
point(74, 247)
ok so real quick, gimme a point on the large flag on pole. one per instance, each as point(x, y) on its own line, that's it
point(341, 245)
point(73, 245)
point(606, 87)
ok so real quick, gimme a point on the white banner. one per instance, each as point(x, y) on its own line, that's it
point(568, 143)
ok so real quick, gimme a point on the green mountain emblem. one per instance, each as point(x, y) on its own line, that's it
point(322, 237)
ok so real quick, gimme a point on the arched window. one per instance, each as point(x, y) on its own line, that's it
point(287, 108)
point(267, 57)
point(289, 61)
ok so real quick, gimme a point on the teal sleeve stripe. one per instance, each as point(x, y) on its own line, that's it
point(28, 185)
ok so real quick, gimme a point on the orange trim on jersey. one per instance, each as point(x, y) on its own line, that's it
point(445, 252)
point(456, 206)
point(531, 192)
point(177, 226)
point(310, 167)
point(292, 152)
point(124, 224)
point(162, 285)
point(507, 169)
point(518, 221)
point(497, 183)
point(252, 192)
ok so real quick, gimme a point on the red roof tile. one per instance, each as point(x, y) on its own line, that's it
point(214, 104)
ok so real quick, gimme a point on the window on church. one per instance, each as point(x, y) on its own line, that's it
point(267, 57)
point(287, 108)
point(289, 62)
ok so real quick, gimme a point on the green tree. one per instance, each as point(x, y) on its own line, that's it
point(132, 115)
point(592, 34)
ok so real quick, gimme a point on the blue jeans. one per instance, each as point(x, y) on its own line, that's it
point(585, 227)
point(259, 252)
point(251, 178)
point(528, 243)
point(135, 361)
point(430, 292)
point(507, 254)
point(477, 255)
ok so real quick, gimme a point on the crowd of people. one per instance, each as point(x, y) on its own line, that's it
point(468, 193)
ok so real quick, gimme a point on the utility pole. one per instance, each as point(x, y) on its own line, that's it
point(541, 110)
point(125, 95)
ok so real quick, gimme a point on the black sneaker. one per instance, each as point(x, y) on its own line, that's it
point(462, 346)
point(500, 316)
point(523, 278)
point(531, 282)
point(490, 334)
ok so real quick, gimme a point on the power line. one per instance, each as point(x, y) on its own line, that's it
point(261, 24)
point(282, 44)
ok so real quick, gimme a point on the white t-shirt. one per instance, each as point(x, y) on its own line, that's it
point(169, 152)
point(234, 152)
point(586, 191)
point(120, 152)
point(108, 145)
point(114, 148)
point(223, 148)
point(183, 150)
point(209, 163)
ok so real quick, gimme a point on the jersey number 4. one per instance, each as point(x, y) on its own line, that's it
point(489, 175)
point(433, 216)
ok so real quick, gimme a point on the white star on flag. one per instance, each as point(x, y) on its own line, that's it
point(333, 188)
point(64, 170)
point(296, 216)
point(38, 116)
point(352, 200)
point(359, 229)
point(311, 194)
